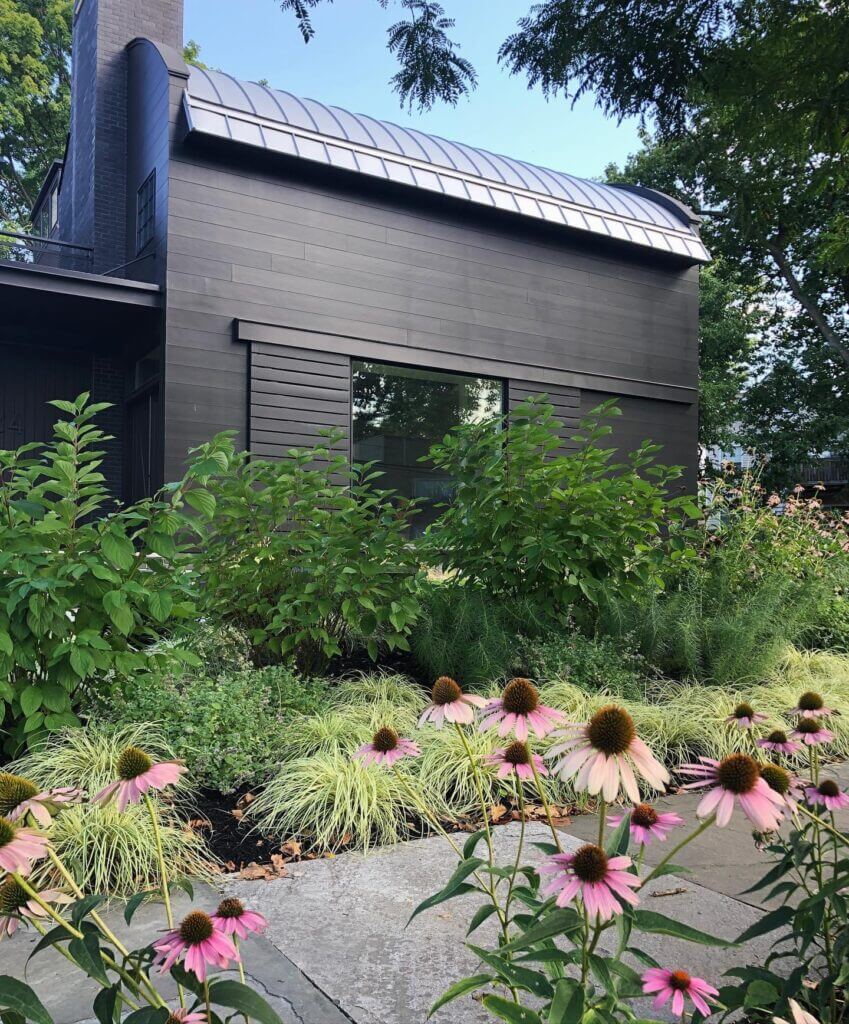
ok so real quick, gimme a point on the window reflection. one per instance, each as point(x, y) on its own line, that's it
point(399, 412)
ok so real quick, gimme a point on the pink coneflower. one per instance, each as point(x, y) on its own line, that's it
point(675, 985)
point(828, 794)
point(811, 732)
point(16, 905)
point(601, 881)
point(518, 708)
point(516, 760)
point(199, 941)
point(183, 1016)
point(19, 847)
point(744, 716)
point(646, 824)
point(782, 783)
point(736, 777)
point(19, 797)
point(448, 703)
point(387, 747)
point(811, 705)
point(780, 743)
point(603, 754)
point(138, 774)
point(233, 919)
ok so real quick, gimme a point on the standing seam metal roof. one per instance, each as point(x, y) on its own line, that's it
point(220, 105)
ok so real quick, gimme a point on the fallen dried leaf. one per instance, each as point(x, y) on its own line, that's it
point(237, 814)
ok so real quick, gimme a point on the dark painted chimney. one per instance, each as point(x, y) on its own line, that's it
point(93, 201)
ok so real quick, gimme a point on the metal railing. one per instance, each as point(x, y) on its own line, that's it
point(19, 247)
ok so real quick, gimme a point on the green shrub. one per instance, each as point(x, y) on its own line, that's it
point(219, 647)
point(305, 554)
point(466, 633)
point(591, 664)
point(108, 851)
point(87, 588)
point(556, 530)
point(229, 729)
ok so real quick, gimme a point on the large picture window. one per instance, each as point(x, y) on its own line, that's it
point(399, 412)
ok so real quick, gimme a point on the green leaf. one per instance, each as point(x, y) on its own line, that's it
point(471, 843)
point(558, 922)
point(511, 1012)
point(460, 988)
point(133, 904)
point(15, 995)
point(118, 549)
point(83, 907)
point(86, 952)
point(115, 604)
point(454, 886)
point(57, 934)
point(481, 914)
point(567, 1006)
point(617, 844)
point(160, 603)
point(236, 996)
point(658, 924)
point(30, 701)
point(147, 1015)
point(104, 1004)
point(6, 646)
point(201, 500)
point(760, 994)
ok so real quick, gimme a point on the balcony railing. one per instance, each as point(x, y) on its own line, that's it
point(19, 247)
point(832, 472)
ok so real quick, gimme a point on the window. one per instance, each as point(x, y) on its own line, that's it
point(399, 412)
point(145, 212)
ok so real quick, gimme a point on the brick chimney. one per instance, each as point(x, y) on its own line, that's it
point(93, 198)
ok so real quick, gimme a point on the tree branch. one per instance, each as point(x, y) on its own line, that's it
point(829, 335)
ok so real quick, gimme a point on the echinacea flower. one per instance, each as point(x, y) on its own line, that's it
point(828, 794)
point(736, 777)
point(16, 905)
point(744, 716)
point(138, 774)
point(448, 703)
point(811, 705)
point(781, 782)
point(233, 919)
point(602, 882)
point(199, 942)
point(646, 824)
point(518, 709)
point(517, 760)
point(811, 732)
point(779, 743)
point(603, 754)
point(675, 985)
point(387, 747)
point(184, 1016)
point(20, 796)
point(19, 847)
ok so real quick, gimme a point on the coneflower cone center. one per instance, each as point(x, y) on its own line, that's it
point(810, 725)
point(385, 739)
point(590, 863)
point(744, 711)
point(14, 789)
point(445, 691)
point(738, 773)
point(173, 1019)
point(611, 730)
point(196, 927)
point(517, 753)
point(644, 815)
point(231, 907)
point(7, 832)
point(776, 778)
point(828, 787)
point(133, 762)
point(811, 701)
point(13, 896)
point(520, 697)
point(777, 736)
point(679, 980)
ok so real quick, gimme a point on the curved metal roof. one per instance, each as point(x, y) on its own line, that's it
point(220, 105)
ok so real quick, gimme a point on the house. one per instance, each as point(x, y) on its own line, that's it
point(217, 255)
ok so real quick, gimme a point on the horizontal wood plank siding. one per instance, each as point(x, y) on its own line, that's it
point(294, 395)
point(566, 402)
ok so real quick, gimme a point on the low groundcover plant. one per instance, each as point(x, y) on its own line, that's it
point(192, 951)
point(565, 949)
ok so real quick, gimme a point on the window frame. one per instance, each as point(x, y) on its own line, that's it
point(146, 212)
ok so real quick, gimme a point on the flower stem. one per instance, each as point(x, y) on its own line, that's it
point(479, 787)
point(241, 967)
point(163, 876)
point(824, 824)
point(544, 798)
point(680, 846)
point(602, 811)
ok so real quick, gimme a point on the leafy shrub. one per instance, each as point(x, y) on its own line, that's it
point(304, 552)
point(229, 729)
point(591, 664)
point(554, 529)
point(86, 589)
point(218, 647)
point(108, 851)
point(468, 634)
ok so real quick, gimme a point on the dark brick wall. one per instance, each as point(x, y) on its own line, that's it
point(107, 385)
point(94, 198)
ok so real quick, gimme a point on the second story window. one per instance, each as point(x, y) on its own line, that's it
point(145, 212)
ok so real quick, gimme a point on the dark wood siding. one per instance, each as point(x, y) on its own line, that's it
point(335, 265)
point(294, 395)
point(566, 402)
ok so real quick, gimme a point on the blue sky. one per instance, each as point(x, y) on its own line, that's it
point(347, 64)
